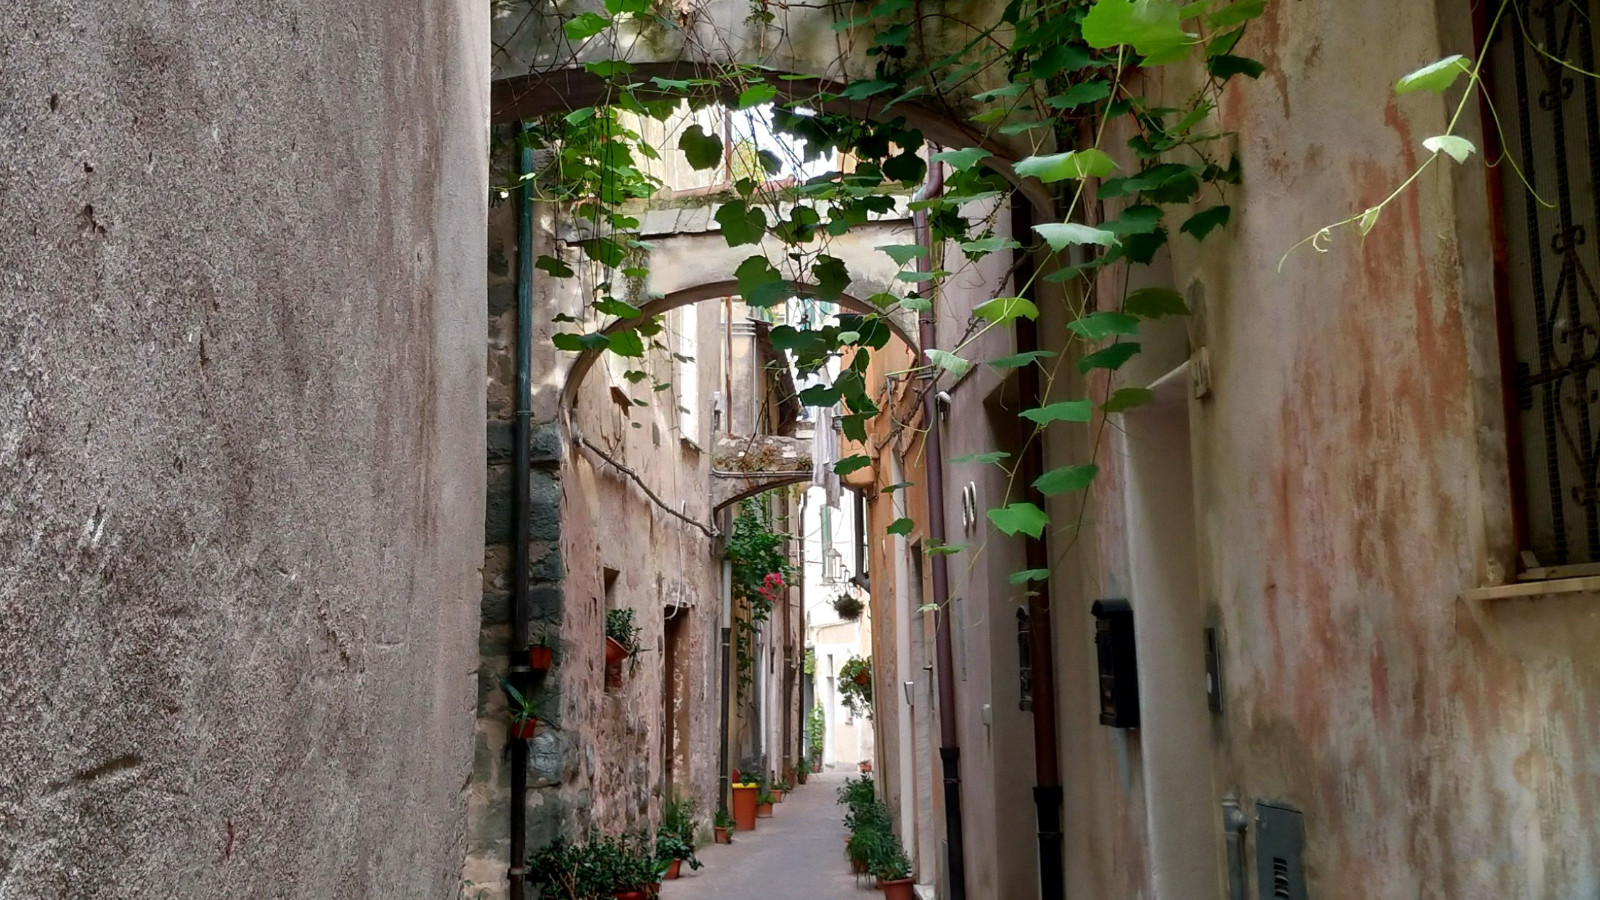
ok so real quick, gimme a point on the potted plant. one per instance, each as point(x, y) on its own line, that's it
point(764, 801)
point(722, 827)
point(675, 838)
point(849, 608)
point(892, 869)
point(622, 643)
point(802, 770)
point(624, 868)
point(779, 788)
point(744, 802)
point(855, 685)
point(524, 717)
point(541, 654)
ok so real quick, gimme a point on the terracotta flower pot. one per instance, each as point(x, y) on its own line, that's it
point(541, 658)
point(858, 867)
point(722, 835)
point(898, 889)
point(522, 729)
point(800, 777)
point(777, 796)
point(672, 869)
point(744, 807)
point(763, 810)
point(615, 652)
point(631, 895)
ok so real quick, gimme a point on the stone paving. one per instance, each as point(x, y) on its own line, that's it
point(798, 854)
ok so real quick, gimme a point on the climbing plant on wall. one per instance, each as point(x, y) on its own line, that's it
point(761, 573)
point(1063, 78)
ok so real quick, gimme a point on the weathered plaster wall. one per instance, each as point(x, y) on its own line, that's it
point(240, 497)
point(1350, 485)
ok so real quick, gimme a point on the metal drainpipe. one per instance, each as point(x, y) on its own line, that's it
point(949, 741)
point(727, 724)
point(1047, 775)
point(518, 670)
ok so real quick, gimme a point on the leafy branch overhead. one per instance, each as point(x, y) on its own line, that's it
point(1055, 75)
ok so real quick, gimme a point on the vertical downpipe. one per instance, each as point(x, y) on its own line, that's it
point(517, 667)
point(727, 652)
point(949, 739)
point(1047, 775)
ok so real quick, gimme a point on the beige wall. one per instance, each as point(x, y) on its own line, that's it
point(241, 443)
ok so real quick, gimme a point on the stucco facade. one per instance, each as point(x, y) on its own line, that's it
point(240, 361)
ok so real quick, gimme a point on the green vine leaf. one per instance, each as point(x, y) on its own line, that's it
point(832, 277)
point(1436, 77)
point(760, 284)
point(1127, 398)
point(819, 395)
point(626, 343)
point(1236, 13)
point(1066, 479)
point(961, 160)
point(984, 246)
point(904, 253)
point(607, 68)
point(1017, 360)
point(1458, 148)
point(554, 267)
point(1061, 411)
point(1150, 27)
point(851, 463)
point(579, 342)
point(1001, 310)
point(1020, 517)
point(611, 306)
point(1154, 302)
point(632, 7)
point(1204, 222)
point(949, 362)
point(757, 94)
point(704, 151)
point(1063, 57)
point(1101, 325)
point(740, 224)
point(1111, 357)
point(899, 486)
point(1226, 66)
point(1090, 163)
point(1369, 219)
point(901, 526)
point(1060, 234)
point(989, 458)
point(1080, 94)
point(1027, 575)
point(1140, 219)
point(585, 26)
point(935, 549)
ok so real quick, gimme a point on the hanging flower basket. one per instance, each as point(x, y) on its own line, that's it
point(522, 729)
point(540, 659)
point(615, 652)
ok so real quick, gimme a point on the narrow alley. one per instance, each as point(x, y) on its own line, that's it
point(798, 854)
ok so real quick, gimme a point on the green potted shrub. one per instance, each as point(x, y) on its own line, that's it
point(622, 643)
point(722, 827)
point(855, 685)
point(675, 838)
point(780, 787)
point(802, 770)
point(849, 608)
point(892, 868)
point(625, 867)
point(764, 801)
point(524, 715)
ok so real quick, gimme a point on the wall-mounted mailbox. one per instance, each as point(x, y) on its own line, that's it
point(1119, 669)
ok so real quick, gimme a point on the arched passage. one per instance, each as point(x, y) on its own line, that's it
point(713, 291)
point(530, 96)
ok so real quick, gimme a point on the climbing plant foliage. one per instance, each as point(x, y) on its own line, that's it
point(1058, 77)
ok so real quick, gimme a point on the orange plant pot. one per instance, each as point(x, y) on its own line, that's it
point(899, 889)
point(615, 652)
point(763, 810)
point(672, 869)
point(744, 807)
point(541, 658)
point(522, 729)
point(722, 835)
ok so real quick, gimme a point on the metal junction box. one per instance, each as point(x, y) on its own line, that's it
point(1119, 667)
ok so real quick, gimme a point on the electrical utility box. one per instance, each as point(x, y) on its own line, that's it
point(1280, 853)
point(1119, 665)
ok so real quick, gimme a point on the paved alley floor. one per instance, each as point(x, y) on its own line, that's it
point(798, 854)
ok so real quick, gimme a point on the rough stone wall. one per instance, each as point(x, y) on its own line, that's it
point(240, 496)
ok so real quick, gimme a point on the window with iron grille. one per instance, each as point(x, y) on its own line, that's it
point(1549, 116)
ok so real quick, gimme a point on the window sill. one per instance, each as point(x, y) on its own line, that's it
point(1527, 590)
